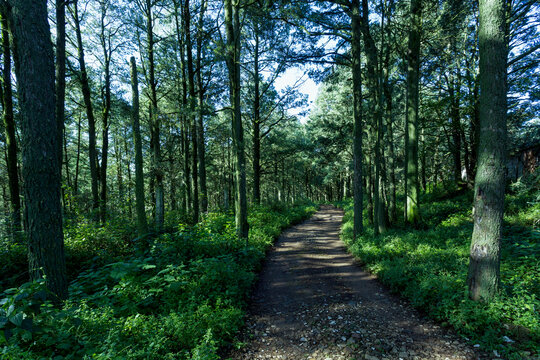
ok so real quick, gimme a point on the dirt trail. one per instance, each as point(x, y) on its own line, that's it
point(314, 302)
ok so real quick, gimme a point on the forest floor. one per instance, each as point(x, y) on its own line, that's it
point(314, 301)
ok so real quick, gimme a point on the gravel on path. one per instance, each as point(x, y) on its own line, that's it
point(313, 301)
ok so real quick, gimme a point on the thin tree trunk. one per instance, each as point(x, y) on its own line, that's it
point(357, 113)
point(484, 261)
point(142, 226)
point(41, 168)
point(87, 96)
point(60, 70)
point(78, 158)
point(200, 127)
point(455, 119)
point(232, 25)
point(9, 124)
point(191, 109)
point(106, 113)
point(375, 89)
point(155, 122)
point(256, 121)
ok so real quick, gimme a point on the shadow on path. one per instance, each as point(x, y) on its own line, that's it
point(313, 301)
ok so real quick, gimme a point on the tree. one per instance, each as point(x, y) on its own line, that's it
point(9, 123)
point(87, 97)
point(411, 126)
point(232, 26)
point(375, 89)
point(484, 260)
point(41, 169)
point(60, 71)
point(142, 227)
point(201, 151)
point(155, 122)
point(356, 31)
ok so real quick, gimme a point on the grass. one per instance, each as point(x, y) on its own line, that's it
point(181, 295)
point(429, 267)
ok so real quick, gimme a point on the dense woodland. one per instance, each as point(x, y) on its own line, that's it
point(150, 158)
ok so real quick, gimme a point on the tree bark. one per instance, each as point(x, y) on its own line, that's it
point(191, 109)
point(155, 122)
point(106, 47)
point(232, 26)
point(413, 75)
point(484, 261)
point(200, 128)
point(60, 70)
point(41, 169)
point(142, 226)
point(357, 114)
point(372, 62)
point(87, 96)
point(256, 122)
point(9, 124)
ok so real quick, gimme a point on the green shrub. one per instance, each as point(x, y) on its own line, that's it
point(180, 295)
point(429, 267)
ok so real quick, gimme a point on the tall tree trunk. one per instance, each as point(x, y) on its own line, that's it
point(87, 96)
point(78, 158)
point(191, 109)
point(9, 124)
point(155, 121)
point(142, 226)
point(256, 121)
point(186, 195)
point(106, 47)
point(413, 74)
point(455, 125)
point(484, 261)
point(60, 70)
point(232, 26)
point(119, 176)
point(200, 128)
point(370, 50)
point(357, 113)
point(41, 168)
point(129, 182)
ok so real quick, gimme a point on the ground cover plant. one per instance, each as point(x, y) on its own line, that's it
point(429, 267)
point(180, 295)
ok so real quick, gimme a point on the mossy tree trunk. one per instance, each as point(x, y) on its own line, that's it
point(41, 169)
point(484, 260)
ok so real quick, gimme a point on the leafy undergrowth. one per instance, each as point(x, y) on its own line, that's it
point(179, 296)
point(429, 267)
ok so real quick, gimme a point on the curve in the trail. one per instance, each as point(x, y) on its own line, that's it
point(313, 301)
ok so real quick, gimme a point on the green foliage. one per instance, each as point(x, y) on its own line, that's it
point(181, 295)
point(429, 267)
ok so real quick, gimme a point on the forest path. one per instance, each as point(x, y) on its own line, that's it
point(313, 301)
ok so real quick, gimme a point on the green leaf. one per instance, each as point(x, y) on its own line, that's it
point(3, 321)
point(17, 319)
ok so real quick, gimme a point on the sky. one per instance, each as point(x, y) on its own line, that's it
point(308, 87)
